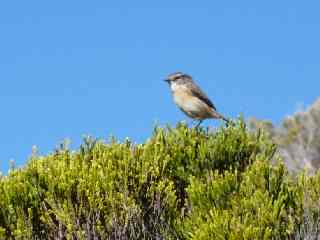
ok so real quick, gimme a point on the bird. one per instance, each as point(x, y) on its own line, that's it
point(191, 99)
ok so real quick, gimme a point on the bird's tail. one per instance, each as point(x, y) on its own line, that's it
point(227, 121)
point(223, 118)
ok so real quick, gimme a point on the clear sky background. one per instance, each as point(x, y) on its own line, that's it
point(70, 68)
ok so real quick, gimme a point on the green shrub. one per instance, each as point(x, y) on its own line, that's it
point(182, 183)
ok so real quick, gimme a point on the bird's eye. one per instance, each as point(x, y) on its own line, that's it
point(177, 77)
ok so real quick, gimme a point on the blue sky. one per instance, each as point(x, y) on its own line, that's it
point(70, 68)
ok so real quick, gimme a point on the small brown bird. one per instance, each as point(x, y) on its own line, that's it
point(190, 99)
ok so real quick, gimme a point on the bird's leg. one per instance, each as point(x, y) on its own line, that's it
point(200, 121)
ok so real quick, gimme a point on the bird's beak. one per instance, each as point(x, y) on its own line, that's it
point(167, 80)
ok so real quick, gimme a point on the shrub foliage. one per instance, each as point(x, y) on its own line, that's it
point(182, 183)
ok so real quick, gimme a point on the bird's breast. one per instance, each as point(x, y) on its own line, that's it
point(181, 95)
point(186, 101)
point(190, 104)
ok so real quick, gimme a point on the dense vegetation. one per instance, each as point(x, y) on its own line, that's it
point(182, 183)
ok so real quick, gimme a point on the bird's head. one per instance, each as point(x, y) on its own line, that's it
point(178, 78)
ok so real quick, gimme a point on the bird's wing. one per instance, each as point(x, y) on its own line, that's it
point(196, 91)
